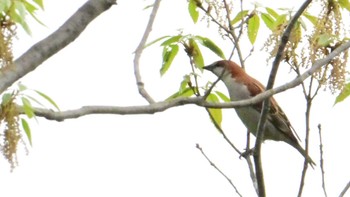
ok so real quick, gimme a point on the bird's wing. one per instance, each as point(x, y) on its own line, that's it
point(281, 121)
point(277, 116)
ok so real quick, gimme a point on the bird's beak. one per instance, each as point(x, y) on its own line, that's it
point(209, 67)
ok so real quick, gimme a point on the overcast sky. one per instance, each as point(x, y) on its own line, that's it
point(155, 155)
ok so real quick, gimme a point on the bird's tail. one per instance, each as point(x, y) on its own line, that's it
point(307, 157)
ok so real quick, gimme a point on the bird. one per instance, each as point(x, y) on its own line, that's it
point(241, 86)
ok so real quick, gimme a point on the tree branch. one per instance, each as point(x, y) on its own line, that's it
point(49, 46)
point(138, 52)
point(266, 103)
point(218, 169)
point(164, 105)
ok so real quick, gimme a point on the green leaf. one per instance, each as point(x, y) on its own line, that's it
point(222, 96)
point(184, 83)
point(343, 94)
point(169, 53)
point(20, 9)
point(281, 20)
point(196, 54)
point(215, 113)
point(171, 40)
point(17, 14)
point(311, 18)
point(30, 8)
point(35, 100)
point(211, 45)
point(26, 129)
point(6, 98)
point(272, 12)
point(4, 5)
point(253, 28)
point(268, 20)
point(154, 41)
point(39, 3)
point(192, 9)
point(22, 87)
point(52, 102)
point(187, 92)
point(325, 40)
point(27, 107)
point(344, 4)
point(239, 16)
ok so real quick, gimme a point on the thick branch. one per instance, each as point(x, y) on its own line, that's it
point(162, 106)
point(49, 46)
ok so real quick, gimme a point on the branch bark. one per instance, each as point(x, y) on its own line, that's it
point(55, 42)
point(138, 52)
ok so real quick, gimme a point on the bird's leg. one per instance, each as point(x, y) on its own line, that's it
point(247, 153)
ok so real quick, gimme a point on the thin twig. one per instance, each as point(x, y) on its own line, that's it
point(345, 190)
point(139, 50)
point(218, 127)
point(233, 34)
point(216, 168)
point(322, 161)
point(307, 125)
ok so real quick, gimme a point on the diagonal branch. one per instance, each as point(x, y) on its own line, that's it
point(266, 103)
point(55, 42)
point(138, 52)
point(164, 105)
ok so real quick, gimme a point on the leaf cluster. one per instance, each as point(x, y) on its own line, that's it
point(15, 11)
point(14, 123)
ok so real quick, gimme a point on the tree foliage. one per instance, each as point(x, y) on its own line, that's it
point(313, 42)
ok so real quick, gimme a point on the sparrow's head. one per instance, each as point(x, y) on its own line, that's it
point(224, 68)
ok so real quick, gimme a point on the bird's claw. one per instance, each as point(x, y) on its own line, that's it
point(247, 153)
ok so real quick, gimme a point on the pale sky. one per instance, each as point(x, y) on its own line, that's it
point(155, 155)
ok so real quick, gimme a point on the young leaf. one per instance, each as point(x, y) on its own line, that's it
point(156, 40)
point(253, 28)
point(48, 99)
point(239, 16)
point(187, 92)
point(22, 87)
point(39, 3)
point(272, 12)
point(35, 100)
point(325, 40)
point(222, 96)
point(169, 53)
point(268, 20)
point(344, 4)
point(211, 45)
point(192, 9)
point(171, 40)
point(4, 5)
point(281, 20)
point(6, 98)
point(196, 54)
point(184, 83)
point(215, 113)
point(27, 107)
point(26, 129)
point(312, 19)
point(343, 94)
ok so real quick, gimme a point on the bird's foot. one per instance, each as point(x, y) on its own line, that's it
point(247, 153)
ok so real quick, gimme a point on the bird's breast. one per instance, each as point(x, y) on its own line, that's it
point(236, 89)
